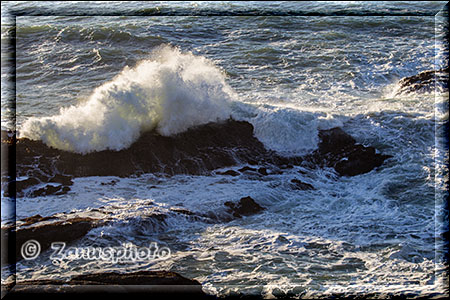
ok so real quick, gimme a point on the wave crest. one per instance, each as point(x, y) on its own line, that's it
point(171, 92)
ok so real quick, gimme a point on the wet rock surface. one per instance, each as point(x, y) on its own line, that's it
point(70, 227)
point(35, 169)
point(229, 173)
point(425, 82)
point(44, 230)
point(150, 283)
point(340, 151)
point(244, 207)
point(300, 185)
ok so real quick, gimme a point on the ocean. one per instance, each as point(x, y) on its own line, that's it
point(86, 77)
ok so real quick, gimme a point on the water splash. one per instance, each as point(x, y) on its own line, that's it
point(171, 92)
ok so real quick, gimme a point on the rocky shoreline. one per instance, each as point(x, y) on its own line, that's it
point(34, 169)
point(424, 82)
point(141, 283)
point(40, 170)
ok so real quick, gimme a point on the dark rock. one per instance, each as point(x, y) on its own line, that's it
point(339, 150)
point(299, 185)
point(288, 166)
point(276, 171)
point(112, 183)
point(263, 171)
point(359, 161)
point(252, 162)
point(34, 219)
point(24, 184)
point(245, 207)
point(229, 173)
point(56, 231)
point(182, 211)
point(197, 151)
point(426, 81)
point(50, 190)
point(246, 168)
point(282, 239)
point(334, 140)
point(63, 179)
point(69, 227)
point(137, 278)
point(153, 283)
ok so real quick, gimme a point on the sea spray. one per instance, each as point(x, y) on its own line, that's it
point(172, 91)
point(285, 130)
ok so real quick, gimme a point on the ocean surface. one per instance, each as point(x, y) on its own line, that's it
point(94, 76)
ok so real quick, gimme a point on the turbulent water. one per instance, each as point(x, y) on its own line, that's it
point(92, 77)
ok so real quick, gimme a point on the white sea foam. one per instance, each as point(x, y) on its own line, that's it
point(286, 130)
point(171, 92)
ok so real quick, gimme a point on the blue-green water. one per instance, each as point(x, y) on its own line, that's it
point(92, 76)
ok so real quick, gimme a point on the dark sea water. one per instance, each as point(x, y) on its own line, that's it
point(94, 76)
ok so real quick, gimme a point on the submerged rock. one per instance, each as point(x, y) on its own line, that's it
point(50, 190)
point(299, 185)
point(44, 230)
point(229, 173)
point(69, 227)
point(263, 171)
point(245, 207)
point(246, 169)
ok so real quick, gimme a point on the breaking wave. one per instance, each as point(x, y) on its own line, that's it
point(170, 92)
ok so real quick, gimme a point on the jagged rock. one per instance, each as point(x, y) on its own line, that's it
point(246, 168)
point(50, 190)
point(299, 185)
point(34, 219)
point(359, 160)
point(334, 141)
point(197, 151)
point(229, 173)
point(24, 184)
point(63, 179)
point(339, 150)
point(245, 207)
point(423, 82)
